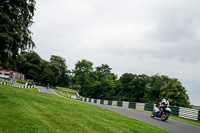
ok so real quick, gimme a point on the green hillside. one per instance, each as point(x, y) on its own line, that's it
point(27, 110)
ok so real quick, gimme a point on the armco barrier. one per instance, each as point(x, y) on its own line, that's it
point(148, 106)
point(106, 102)
point(125, 104)
point(87, 99)
point(175, 110)
point(90, 100)
point(119, 103)
point(95, 100)
point(114, 103)
point(188, 113)
point(132, 105)
point(140, 106)
point(109, 102)
point(102, 101)
point(98, 101)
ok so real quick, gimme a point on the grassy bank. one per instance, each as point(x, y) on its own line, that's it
point(27, 110)
point(67, 89)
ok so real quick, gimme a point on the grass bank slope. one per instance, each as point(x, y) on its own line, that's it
point(27, 110)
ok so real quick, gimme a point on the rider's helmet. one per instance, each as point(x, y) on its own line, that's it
point(164, 101)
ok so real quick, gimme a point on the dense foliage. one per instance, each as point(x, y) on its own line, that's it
point(15, 20)
point(100, 82)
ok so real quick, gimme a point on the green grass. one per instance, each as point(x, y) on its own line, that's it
point(10, 82)
point(64, 93)
point(66, 89)
point(27, 110)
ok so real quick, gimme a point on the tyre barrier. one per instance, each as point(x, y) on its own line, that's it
point(148, 106)
point(175, 110)
point(199, 116)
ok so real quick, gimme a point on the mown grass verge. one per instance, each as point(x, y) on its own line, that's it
point(27, 110)
point(67, 89)
point(64, 93)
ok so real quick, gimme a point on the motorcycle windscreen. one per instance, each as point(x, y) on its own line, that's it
point(168, 109)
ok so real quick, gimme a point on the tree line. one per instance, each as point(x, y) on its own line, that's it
point(100, 82)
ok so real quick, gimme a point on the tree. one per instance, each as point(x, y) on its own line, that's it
point(30, 64)
point(15, 19)
point(107, 83)
point(152, 91)
point(47, 74)
point(63, 77)
point(175, 93)
point(107, 87)
point(139, 83)
point(104, 69)
point(82, 73)
point(124, 87)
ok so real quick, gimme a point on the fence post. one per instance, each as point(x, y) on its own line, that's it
point(199, 116)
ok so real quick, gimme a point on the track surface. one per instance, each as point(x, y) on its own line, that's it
point(171, 125)
point(45, 90)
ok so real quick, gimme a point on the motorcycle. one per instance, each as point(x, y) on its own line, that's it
point(163, 113)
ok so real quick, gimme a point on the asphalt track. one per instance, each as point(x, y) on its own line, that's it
point(171, 125)
point(45, 90)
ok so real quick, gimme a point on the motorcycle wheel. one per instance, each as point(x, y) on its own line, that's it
point(153, 114)
point(165, 116)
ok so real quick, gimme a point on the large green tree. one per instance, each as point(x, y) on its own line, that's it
point(82, 76)
point(63, 73)
point(131, 87)
point(175, 93)
point(152, 91)
point(15, 20)
point(30, 64)
point(47, 75)
point(107, 83)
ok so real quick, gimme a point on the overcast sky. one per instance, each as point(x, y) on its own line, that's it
point(131, 36)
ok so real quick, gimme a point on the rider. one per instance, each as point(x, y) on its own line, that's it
point(162, 104)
